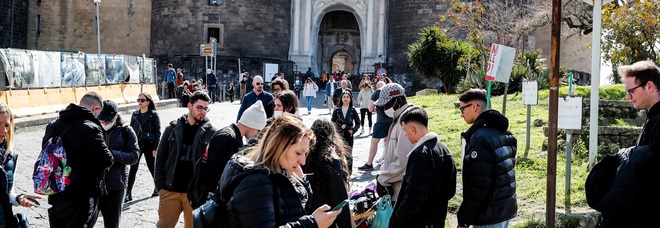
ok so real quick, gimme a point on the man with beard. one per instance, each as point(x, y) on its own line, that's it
point(224, 143)
point(182, 144)
point(257, 93)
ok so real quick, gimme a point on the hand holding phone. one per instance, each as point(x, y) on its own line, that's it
point(340, 205)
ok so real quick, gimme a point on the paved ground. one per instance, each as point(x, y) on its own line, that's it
point(142, 211)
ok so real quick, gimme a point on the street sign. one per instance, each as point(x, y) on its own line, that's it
point(500, 63)
point(206, 50)
point(381, 72)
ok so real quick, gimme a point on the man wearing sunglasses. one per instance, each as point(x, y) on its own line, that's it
point(632, 200)
point(183, 143)
point(489, 156)
point(257, 93)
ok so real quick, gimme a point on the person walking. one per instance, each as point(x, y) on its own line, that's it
point(257, 93)
point(230, 92)
point(184, 141)
point(297, 87)
point(364, 100)
point(430, 179)
point(381, 128)
point(309, 91)
point(88, 156)
point(265, 187)
point(347, 121)
point(123, 144)
point(8, 198)
point(329, 94)
point(329, 170)
point(632, 200)
point(211, 84)
point(243, 86)
point(146, 123)
point(489, 177)
point(170, 77)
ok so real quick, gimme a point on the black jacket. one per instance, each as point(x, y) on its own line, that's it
point(6, 184)
point(86, 150)
point(331, 191)
point(651, 132)
point(352, 120)
point(429, 183)
point(223, 145)
point(257, 197)
point(489, 179)
point(633, 201)
point(171, 144)
point(151, 127)
point(122, 142)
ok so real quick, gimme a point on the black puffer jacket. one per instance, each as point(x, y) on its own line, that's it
point(122, 142)
point(171, 145)
point(257, 197)
point(86, 150)
point(489, 179)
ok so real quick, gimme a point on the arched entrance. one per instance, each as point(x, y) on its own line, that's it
point(339, 43)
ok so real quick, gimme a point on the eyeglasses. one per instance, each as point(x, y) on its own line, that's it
point(141, 100)
point(202, 108)
point(630, 91)
point(462, 108)
point(258, 83)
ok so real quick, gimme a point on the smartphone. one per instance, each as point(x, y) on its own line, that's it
point(340, 205)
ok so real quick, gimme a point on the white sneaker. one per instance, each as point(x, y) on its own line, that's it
point(361, 130)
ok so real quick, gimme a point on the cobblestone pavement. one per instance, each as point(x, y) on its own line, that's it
point(143, 210)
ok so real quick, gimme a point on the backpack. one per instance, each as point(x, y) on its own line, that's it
point(52, 173)
point(213, 213)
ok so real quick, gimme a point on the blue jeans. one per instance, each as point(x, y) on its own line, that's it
point(504, 224)
point(310, 99)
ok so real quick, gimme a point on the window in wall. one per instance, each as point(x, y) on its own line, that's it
point(212, 32)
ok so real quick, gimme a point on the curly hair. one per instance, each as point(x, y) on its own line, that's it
point(329, 145)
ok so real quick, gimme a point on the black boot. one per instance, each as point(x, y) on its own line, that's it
point(128, 198)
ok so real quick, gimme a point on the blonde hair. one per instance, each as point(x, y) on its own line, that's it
point(10, 133)
point(282, 133)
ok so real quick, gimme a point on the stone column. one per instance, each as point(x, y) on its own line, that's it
point(296, 26)
point(308, 25)
point(370, 28)
point(381, 28)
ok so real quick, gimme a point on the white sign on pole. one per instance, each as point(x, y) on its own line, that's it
point(270, 70)
point(570, 113)
point(530, 93)
point(500, 63)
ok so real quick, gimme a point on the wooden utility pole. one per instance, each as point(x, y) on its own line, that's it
point(552, 116)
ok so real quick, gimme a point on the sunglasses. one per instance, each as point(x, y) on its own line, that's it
point(462, 108)
point(141, 100)
point(258, 83)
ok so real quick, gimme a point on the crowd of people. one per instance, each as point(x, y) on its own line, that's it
point(269, 169)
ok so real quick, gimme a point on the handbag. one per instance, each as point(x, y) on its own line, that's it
point(213, 213)
point(383, 213)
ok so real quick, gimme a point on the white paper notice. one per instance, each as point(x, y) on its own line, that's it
point(570, 113)
point(530, 93)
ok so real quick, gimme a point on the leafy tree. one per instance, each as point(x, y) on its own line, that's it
point(630, 32)
point(436, 56)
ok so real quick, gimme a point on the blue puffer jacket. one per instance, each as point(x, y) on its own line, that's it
point(489, 180)
point(258, 197)
point(122, 142)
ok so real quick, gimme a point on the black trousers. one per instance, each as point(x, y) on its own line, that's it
point(365, 111)
point(110, 206)
point(348, 138)
point(146, 148)
point(72, 210)
point(170, 90)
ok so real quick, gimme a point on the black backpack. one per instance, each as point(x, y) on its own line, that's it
point(600, 179)
point(211, 214)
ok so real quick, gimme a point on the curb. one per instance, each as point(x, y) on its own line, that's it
point(33, 123)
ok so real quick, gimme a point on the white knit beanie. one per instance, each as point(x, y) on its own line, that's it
point(254, 117)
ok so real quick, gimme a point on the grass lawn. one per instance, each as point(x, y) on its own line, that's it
point(531, 163)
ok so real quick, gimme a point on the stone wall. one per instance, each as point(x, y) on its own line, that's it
point(247, 28)
point(69, 25)
point(405, 19)
point(13, 23)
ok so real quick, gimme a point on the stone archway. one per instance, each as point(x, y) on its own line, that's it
point(339, 36)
